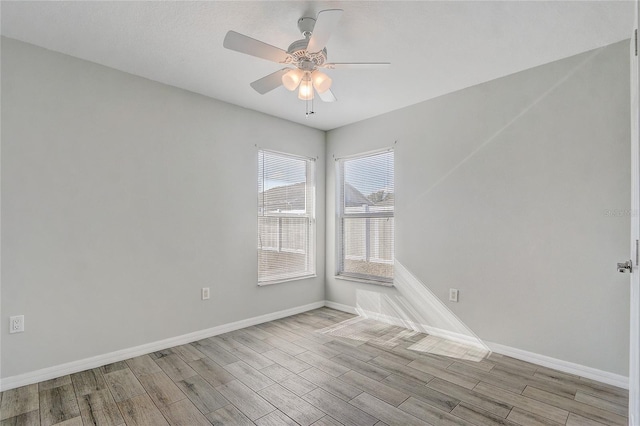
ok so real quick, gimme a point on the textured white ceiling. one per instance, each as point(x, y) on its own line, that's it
point(434, 47)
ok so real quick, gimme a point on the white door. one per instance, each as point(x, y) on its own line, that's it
point(634, 338)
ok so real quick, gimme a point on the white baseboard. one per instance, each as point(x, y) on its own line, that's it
point(388, 319)
point(340, 307)
point(100, 360)
point(433, 331)
point(560, 365)
point(543, 360)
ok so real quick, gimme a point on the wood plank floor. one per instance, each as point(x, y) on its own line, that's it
point(322, 367)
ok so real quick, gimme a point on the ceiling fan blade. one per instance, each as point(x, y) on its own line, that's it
point(327, 96)
point(326, 23)
point(270, 82)
point(250, 46)
point(355, 65)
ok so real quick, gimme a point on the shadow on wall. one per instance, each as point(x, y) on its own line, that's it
point(413, 311)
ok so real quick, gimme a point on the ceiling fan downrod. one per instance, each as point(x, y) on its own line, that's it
point(305, 25)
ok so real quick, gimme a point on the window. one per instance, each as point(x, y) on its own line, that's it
point(286, 217)
point(366, 210)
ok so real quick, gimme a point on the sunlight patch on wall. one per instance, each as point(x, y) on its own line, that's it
point(417, 199)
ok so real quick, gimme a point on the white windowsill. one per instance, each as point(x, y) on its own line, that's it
point(363, 280)
point(286, 280)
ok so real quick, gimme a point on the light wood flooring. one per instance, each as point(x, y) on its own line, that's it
point(322, 368)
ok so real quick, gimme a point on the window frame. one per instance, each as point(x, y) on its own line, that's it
point(309, 214)
point(341, 215)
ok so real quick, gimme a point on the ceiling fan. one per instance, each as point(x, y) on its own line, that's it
point(305, 58)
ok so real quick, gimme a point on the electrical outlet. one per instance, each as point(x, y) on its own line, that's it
point(16, 324)
point(453, 295)
point(205, 293)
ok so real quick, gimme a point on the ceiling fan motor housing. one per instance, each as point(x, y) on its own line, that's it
point(306, 61)
point(303, 59)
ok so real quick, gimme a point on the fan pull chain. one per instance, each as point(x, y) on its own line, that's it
point(309, 113)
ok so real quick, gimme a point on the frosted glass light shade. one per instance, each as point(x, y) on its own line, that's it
point(321, 81)
point(306, 90)
point(292, 79)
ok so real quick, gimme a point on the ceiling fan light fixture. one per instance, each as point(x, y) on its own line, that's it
point(292, 79)
point(305, 92)
point(321, 81)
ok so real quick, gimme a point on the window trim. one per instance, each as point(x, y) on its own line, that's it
point(340, 216)
point(363, 280)
point(286, 280)
point(311, 172)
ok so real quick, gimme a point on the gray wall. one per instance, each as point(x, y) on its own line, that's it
point(502, 192)
point(121, 198)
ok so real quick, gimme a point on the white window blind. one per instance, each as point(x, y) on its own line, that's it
point(366, 211)
point(286, 217)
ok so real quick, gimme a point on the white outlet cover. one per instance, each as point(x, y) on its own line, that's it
point(16, 324)
point(205, 293)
